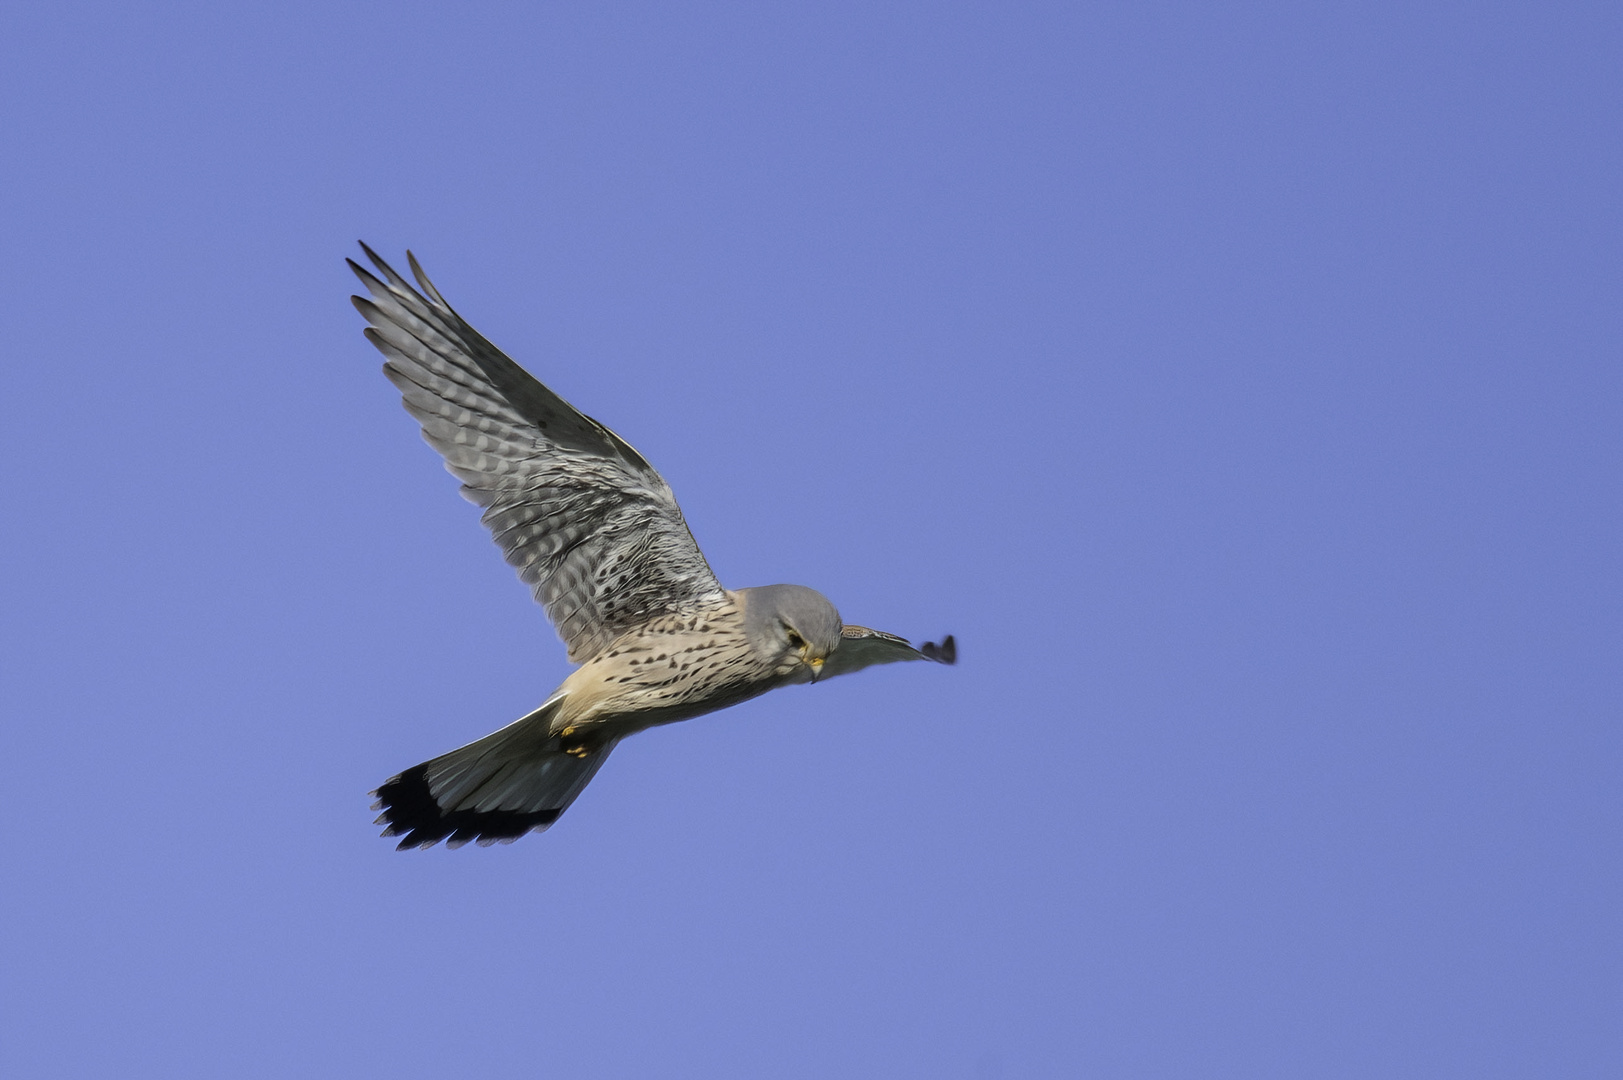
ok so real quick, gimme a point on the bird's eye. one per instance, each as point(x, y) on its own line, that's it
point(795, 640)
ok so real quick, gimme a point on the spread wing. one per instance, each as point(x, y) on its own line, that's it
point(590, 526)
point(861, 647)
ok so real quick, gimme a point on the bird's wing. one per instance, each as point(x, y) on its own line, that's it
point(591, 527)
point(861, 647)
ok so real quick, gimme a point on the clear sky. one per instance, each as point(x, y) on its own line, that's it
point(1240, 383)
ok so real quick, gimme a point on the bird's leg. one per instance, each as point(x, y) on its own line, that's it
point(576, 744)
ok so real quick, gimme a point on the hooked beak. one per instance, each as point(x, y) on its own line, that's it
point(816, 665)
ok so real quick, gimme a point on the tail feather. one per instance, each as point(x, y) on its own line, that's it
point(494, 790)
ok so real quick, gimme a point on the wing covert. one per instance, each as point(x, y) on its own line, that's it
point(590, 526)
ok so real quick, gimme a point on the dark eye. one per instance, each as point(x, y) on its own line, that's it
point(795, 640)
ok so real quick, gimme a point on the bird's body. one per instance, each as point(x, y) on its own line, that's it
point(597, 534)
point(673, 667)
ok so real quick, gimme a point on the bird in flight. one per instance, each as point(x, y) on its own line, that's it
point(596, 534)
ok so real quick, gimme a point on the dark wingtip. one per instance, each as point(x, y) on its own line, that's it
point(944, 653)
point(368, 278)
point(410, 812)
point(422, 279)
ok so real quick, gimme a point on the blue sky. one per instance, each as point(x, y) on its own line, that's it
point(1240, 384)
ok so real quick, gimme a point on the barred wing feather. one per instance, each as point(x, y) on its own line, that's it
point(590, 526)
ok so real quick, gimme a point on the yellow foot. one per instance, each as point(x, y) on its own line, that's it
point(578, 751)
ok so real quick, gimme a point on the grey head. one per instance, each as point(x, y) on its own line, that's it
point(791, 621)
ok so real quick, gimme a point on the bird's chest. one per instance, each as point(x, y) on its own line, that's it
point(687, 665)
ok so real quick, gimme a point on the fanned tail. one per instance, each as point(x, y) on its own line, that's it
point(495, 790)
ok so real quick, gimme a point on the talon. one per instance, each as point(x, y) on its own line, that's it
point(566, 732)
point(581, 751)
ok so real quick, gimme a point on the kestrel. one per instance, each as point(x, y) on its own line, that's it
point(596, 534)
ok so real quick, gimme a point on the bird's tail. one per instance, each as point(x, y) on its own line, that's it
point(515, 781)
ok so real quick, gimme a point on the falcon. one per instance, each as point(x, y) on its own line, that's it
point(595, 532)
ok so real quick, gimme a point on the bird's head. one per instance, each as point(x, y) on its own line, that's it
point(791, 623)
